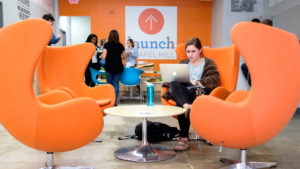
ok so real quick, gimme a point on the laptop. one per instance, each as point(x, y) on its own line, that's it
point(175, 72)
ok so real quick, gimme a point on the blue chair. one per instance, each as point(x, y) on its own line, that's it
point(95, 73)
point(131, 77)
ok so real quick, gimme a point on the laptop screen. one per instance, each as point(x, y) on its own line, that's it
point(175, 72)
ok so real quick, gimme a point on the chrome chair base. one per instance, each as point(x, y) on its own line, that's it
point(229, 161)
point(196, 137)
point(98, 139)
point(246, 165)
point(237, 166)
point(50, 164)
point(249, 165)
point(66, 167)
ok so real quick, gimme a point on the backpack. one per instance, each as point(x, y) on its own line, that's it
point(157, 132)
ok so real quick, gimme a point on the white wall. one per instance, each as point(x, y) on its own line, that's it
point(10, 12)
point(222, 22)
point(217, 24)
point(279, 7)
point(231, 18)
point(37, 9)
point(289, 20)
point(286, 16)
point(80, 29)
point(65, 24)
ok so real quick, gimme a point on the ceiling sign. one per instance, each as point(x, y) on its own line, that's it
point(153, 30)
point(73, 1)
point(242, 5)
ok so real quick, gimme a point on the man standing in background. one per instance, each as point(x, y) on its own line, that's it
point(48, 17)
point(267, 22)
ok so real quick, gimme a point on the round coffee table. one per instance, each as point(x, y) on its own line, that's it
point(144, 152)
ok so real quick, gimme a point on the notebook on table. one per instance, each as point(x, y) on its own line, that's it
point(175, 72)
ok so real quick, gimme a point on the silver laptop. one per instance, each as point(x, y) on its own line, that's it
point(175, 72)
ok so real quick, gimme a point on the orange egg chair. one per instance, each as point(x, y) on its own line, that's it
point(64, 67)
point(180, 51)
point(53, 122)
point(227, 61)
point(247, 119)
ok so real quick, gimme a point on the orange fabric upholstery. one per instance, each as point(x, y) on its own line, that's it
point(180, 51)
point(60, 127)
point(68, 91)
point(237, 96)
point(65, 67)
point(55, 96)
point(247, 119)
point(227, 61)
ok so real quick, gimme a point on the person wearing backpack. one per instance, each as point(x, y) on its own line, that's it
point(204, 78)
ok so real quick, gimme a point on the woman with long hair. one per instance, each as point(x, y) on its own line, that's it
point(94, 63)
point(112, 53)
point(131, 54)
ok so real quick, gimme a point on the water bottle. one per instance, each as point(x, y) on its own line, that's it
point(150, 94)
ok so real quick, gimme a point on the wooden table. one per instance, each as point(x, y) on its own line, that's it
point(144, 152)
point(146, 67)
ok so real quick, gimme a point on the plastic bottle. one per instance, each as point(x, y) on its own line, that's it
point(150, 94)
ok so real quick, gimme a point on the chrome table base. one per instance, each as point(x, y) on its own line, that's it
point(144, 152)
point(66, 167)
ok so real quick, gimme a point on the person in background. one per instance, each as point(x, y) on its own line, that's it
point(101, 44)
point(48, 17)
point(255, 20)
point(112, 53)
point(244, 67)
point(131, 54)
point(94, 63)
point(204, 75)
point(267, 22)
